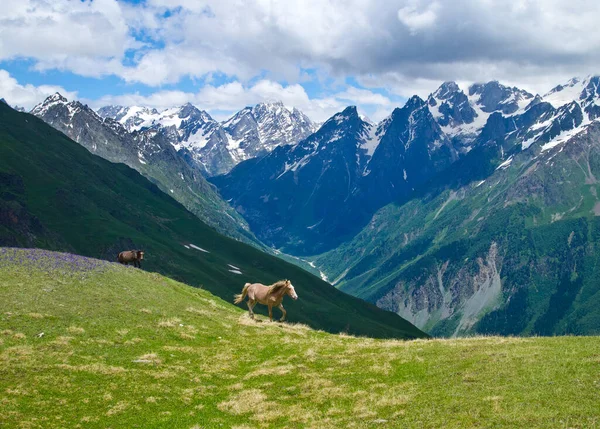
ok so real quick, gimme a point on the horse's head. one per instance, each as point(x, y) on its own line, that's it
point(140, 254)
point(289, 289)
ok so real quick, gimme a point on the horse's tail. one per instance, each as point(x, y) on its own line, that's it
point(240, 296)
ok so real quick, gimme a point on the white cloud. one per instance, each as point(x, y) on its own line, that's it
point(57, 33)
point(28, 95)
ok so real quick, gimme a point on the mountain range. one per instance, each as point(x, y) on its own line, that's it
point(217, 147)
point(57, 195)
point(470, 211)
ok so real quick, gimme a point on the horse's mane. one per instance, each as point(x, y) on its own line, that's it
point(276, 287)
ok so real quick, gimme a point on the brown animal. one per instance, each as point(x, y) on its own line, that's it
point(271, 296)
point(135, 256)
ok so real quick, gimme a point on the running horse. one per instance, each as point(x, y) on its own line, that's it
point(271, 296)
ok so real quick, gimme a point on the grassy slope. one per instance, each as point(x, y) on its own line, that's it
point(54, 194)
point(128, 348)
point(542, 219)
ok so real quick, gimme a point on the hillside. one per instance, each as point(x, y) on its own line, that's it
point(151, 153)
point(95, 344)
point(56, 195)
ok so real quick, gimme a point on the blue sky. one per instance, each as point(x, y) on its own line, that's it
point(317, 55)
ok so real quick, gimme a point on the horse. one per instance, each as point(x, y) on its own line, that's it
point(271, 296)
point(135, 256)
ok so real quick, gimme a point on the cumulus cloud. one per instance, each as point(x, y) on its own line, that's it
point(27, 95)
point(413, 39)
point(58, 34)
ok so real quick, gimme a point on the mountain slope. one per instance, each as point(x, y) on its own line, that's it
point(478, 182)
point(512, 254)
point(55, 194)
point(149, 152)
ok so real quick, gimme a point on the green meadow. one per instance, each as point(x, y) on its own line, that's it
point(91, 344)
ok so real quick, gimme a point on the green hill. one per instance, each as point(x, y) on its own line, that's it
point(56, 195)
point(87, 343)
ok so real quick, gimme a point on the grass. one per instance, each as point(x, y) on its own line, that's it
point(95, 344)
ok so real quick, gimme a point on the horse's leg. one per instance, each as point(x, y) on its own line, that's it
point(251, 304)
point(270, 312)
point(283, 311)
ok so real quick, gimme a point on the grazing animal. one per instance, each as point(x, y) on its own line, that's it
point(271, 296)
point(135, 256)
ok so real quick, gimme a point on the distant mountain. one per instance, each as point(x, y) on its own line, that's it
point(218, 147)
point(17, 108)
point(54, 194)
point(462, 115)
point(132, 118)
point(503, 241)
point(309, 197)
point(151, 153)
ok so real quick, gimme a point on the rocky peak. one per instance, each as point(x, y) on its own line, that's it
point(415, 102)
point(493, 96)
point(445, 91)
point(189, 110)
point(48, 103)
point(54, 98)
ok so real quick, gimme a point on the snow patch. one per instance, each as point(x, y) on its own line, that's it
point(505, 164)
point(193, 246)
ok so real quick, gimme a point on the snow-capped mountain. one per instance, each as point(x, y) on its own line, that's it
point(547, 121)
point(307, 197)
point(133, 118)
point(463, 115)
point(332, 181)
point(258, 130)
point(218, 147)
point(499, 242)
